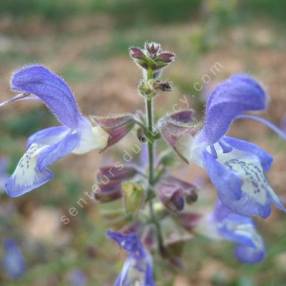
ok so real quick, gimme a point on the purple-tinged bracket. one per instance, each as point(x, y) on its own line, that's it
point(178, 130)
point(117, 126)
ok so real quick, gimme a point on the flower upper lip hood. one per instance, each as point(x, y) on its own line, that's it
point(76, 134)
point(234, 96)
point(236, 167)
point(51, 89)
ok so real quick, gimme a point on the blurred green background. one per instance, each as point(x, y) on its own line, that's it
point(87, 43)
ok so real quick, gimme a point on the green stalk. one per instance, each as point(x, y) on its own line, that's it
point(151, 171)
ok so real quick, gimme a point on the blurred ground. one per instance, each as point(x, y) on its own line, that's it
point(90, 50)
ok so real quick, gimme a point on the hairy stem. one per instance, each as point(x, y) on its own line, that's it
point(151, 171)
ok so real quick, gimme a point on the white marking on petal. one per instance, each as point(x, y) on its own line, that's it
point(208, 227)
point(135, 274)
point(192, 148)
point(25, 173)
point(246, 230)
point(91, 138)
point(248, 168)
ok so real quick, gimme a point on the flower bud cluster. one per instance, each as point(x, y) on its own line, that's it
point(151, 58)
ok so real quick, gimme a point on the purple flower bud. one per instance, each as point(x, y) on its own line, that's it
point(152, 57)
point(174, 192)
point(136, 53)
point(171, 197)
point(116, 126)
point(167, 57)
point(162, 85)
point(119, 173)
point(178, 201)
point(109, 180)
point(108, 192)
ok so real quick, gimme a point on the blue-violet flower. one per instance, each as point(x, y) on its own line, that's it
point(236, 167)
point(137, 269)
point(75, 135)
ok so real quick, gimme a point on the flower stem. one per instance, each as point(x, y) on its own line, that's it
point(151, 172)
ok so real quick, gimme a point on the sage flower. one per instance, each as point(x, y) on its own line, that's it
point(236, 167)
point(75, 135)
point(137, 269)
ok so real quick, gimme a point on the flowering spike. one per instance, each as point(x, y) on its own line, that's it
point(236, 167)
